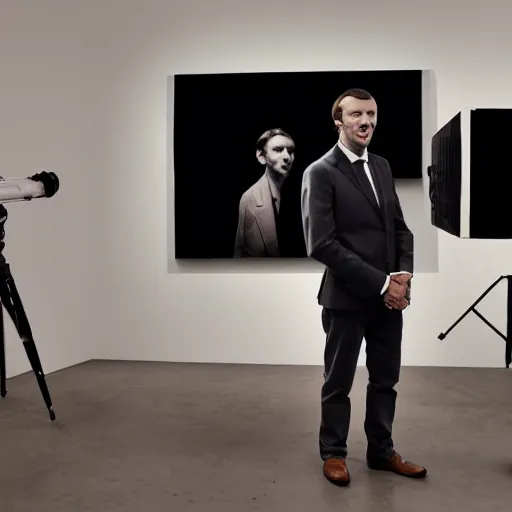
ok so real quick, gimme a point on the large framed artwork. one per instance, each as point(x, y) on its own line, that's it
point(228, 130)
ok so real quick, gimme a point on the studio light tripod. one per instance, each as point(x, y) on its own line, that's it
point(11, 301)
point(472, 308)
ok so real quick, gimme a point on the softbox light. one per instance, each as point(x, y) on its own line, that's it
point(470, 189)
point(470, 183)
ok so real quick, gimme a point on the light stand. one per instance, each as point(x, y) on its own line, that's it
point(43, 184)
point(472, 308)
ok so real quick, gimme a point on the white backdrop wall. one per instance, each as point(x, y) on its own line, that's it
point(88, 81)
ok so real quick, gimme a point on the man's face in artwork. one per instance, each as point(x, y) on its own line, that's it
point(278, 154)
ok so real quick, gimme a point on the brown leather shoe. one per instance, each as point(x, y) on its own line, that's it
point(336, 471)
point(398, 465)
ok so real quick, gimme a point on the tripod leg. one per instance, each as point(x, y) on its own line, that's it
point(14, 306)
point(471, 308)
point(3, 387)
point(508, 346)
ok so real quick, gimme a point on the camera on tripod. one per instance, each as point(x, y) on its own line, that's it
point(40, 185)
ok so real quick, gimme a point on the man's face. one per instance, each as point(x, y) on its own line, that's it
point(358, 122)
point(278, 155)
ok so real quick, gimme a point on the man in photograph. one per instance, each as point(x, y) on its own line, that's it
point(256, 235)
point(354, 225)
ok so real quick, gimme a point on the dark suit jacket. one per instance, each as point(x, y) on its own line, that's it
point(359, 243)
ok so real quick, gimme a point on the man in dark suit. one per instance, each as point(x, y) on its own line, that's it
point(354, 225)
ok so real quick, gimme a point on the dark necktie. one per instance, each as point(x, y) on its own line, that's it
point(364, 181)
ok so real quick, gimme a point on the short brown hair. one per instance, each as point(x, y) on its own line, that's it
point(267, 135)
point(360, 94)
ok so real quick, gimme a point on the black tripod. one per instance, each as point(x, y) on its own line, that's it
point(10, 299)
point(508, 337)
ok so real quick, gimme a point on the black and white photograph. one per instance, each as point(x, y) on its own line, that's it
point(241, 143)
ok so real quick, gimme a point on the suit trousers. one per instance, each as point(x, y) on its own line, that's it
point(345, 329)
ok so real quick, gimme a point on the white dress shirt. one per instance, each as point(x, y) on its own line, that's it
point(353, 157)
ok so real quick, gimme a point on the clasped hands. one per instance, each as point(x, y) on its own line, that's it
point(395, 298)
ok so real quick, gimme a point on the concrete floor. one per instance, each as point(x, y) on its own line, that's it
point(223, 438)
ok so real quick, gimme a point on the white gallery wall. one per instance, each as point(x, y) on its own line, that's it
point(49, 119)
point(84, 93)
